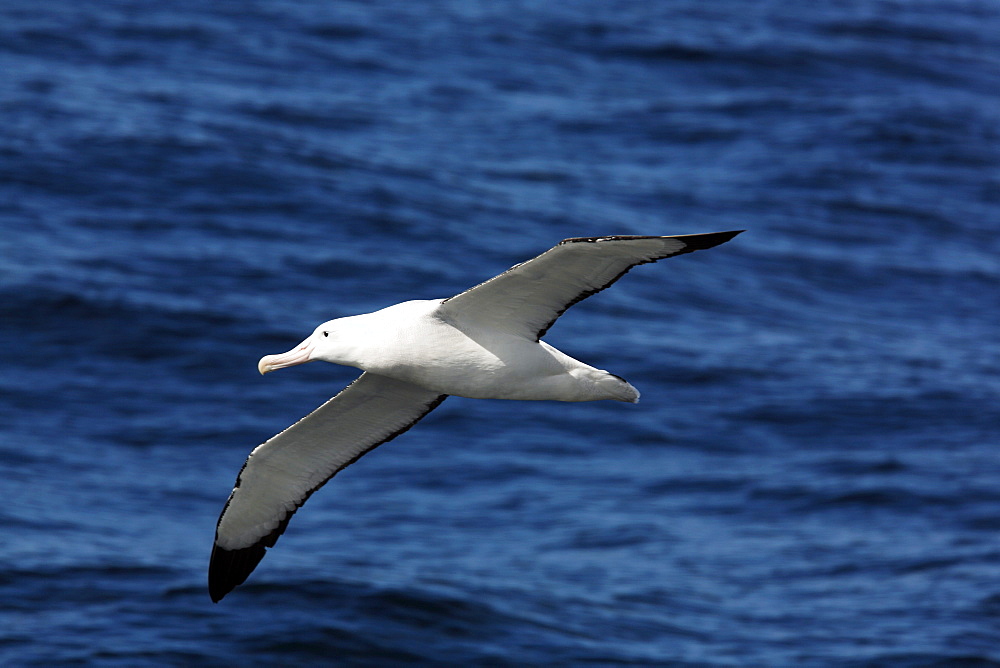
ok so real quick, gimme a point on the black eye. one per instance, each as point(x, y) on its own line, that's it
point(326, 333)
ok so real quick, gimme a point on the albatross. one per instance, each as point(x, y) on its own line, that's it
point(484, 343)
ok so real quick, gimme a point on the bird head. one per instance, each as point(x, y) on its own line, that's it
point(320, 345)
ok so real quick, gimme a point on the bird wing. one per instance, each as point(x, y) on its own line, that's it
point(283, 472)
point(527, 298)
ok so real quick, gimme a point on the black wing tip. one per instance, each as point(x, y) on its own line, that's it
point(229, 569)
point(702, 241)
point(693, 241)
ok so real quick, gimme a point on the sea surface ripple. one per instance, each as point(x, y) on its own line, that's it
point(812, 477)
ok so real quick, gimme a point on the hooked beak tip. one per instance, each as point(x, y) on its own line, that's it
point(297, 355)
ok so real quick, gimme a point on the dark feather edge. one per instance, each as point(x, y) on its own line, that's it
point(708, 239)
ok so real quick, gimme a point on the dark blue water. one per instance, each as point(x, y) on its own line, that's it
point(812, 477)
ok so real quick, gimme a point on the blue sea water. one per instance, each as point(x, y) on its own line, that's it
point(812, 477)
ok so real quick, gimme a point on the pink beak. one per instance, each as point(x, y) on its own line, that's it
point(297, 355)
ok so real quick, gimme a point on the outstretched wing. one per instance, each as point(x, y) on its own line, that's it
point(527, 298)
point(282, 473)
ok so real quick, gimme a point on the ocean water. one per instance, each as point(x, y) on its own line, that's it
point(812, 477)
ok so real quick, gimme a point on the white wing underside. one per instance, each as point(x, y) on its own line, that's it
point(280, 474)
point(527, 298)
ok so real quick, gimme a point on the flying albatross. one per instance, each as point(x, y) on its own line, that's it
point(484, 343)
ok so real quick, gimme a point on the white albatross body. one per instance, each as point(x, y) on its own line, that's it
point(418, 342)
point(483, 343)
